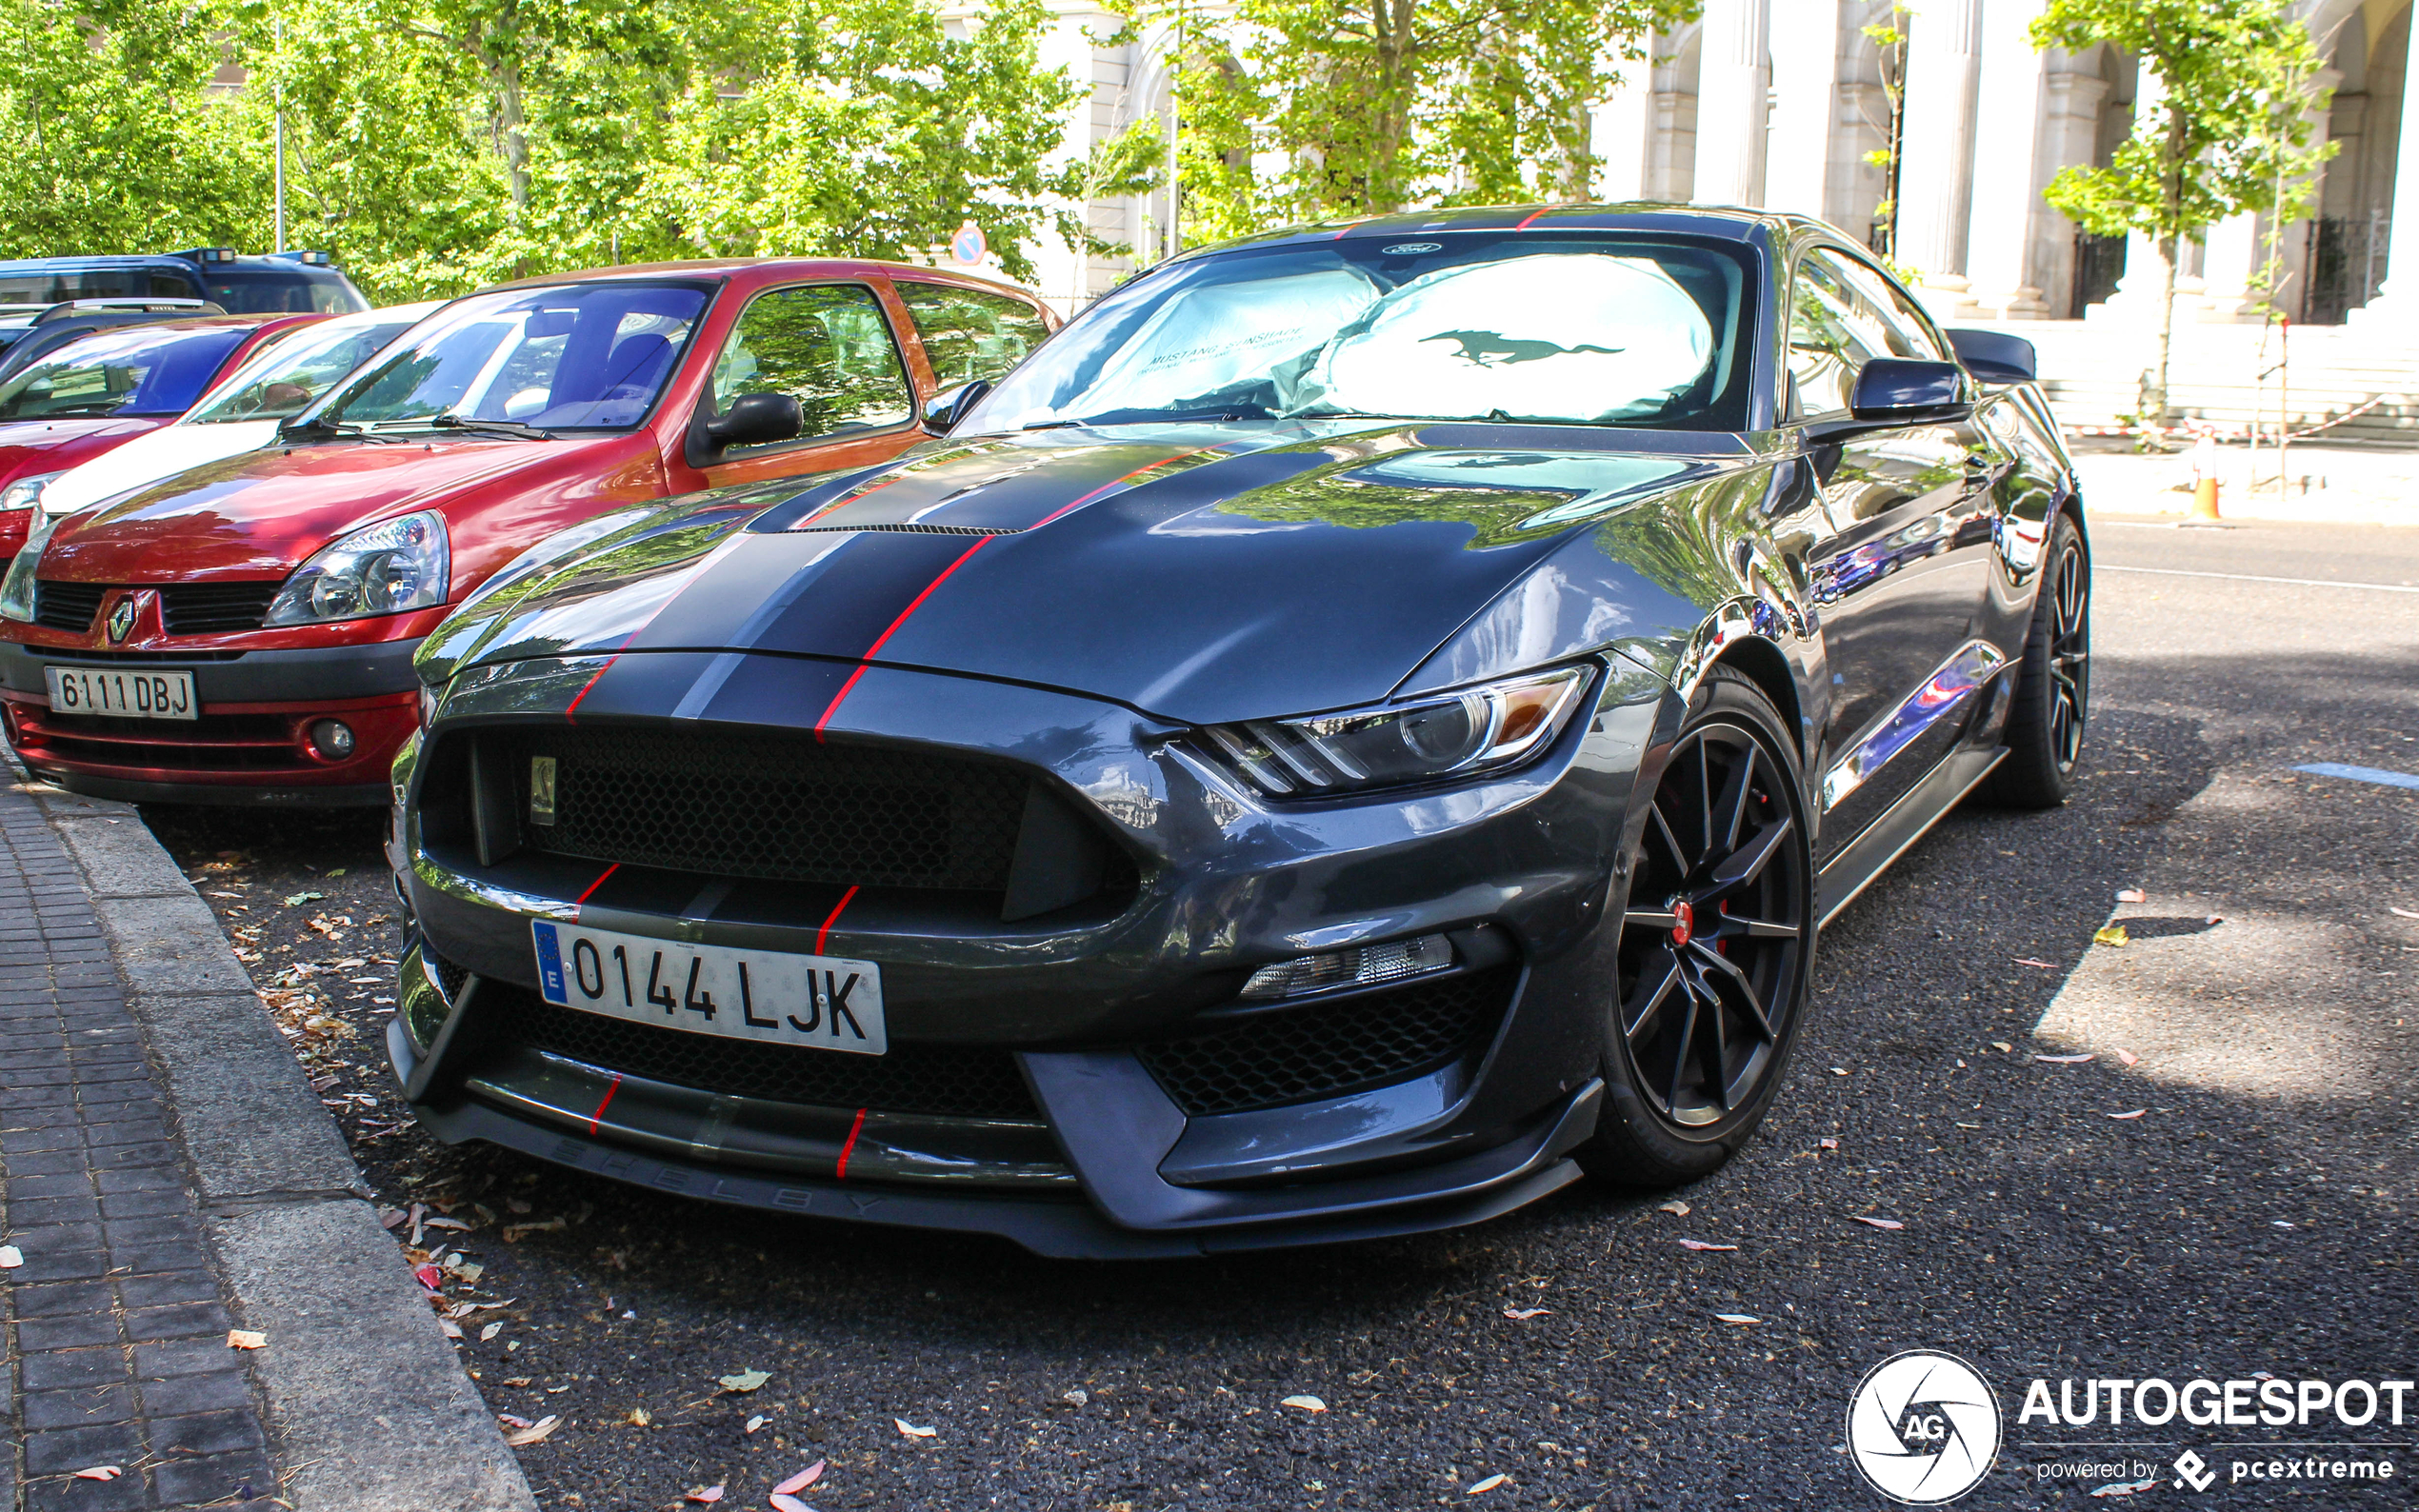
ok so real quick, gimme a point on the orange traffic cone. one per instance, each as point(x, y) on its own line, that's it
point(2204, 480)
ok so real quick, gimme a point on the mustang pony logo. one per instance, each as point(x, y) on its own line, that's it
point(1485, 348)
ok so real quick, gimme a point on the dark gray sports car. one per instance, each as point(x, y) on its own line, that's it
point(1362, 726)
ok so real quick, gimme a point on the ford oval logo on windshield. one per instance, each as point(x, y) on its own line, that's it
point(1406, 248)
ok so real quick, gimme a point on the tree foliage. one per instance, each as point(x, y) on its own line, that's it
point(1299, 110)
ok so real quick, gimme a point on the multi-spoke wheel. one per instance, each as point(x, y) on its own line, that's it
point(2053, 687)
point(1714, 947)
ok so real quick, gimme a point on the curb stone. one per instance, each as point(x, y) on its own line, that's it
point(366, 1395)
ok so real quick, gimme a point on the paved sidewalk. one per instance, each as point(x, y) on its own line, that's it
point(116, 1320)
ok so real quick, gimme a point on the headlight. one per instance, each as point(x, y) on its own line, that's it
point(384, 568)
point(16, 589)
point(1477, 730)
point(25, 493)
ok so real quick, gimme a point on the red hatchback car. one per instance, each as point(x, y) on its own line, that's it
point(243, 632)
point(100, 392)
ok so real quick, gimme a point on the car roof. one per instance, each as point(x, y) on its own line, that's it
point(1735, 223)
point(770, 268)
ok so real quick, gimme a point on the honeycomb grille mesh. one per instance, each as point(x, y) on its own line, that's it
point(1331, 1049)
point(783, 810)
point(963, 1082)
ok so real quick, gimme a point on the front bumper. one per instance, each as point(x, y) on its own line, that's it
point(1088, 1138)
point(251, 742)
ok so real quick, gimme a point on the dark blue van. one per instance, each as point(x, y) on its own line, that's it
point(296, 283)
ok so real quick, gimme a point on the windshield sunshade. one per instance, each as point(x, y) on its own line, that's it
point(562, 356)
point(1607, 329)
point(142, 371)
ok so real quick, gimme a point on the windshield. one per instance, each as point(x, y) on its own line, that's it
point(138, 371)
point(1601, 329)
point(563, 356)
point(286, 378)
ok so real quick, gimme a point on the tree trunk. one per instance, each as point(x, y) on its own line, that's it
point(512, 120)
point(2155, 406)
point(1391, 124)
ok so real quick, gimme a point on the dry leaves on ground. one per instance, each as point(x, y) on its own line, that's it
point(1736, 1320)
point(246, 1339)
point(1878, 1223)
point(1524, 1314)
point(1488, 1484)
point(99, 1472)
point(910, 1430)
point(1699, 1244)
point(1675, 1207)
point(2063, 1060)
point(2136, 1113)
point(2111, 935)
point(537, 1432)
point(745, 1381)
point(1306, 1403)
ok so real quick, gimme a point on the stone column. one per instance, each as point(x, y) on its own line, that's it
point(1734, 82)
point(2070, 106)
point(2231, 253)
point(1805, 48)
point(2137, 293)
point(1621, 128)
point(1935, 173)
point(1671, 118)
point(2010, 121)
point(2397, 302)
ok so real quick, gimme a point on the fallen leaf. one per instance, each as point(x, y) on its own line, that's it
point(488, 1334)
point(2126, 1487)
point(511, 1420)
point(513, 1232)
point(2062, 1059)
point(297, 900)
point(337, 872)
point(1839, 1070)
point(388, 1217)
point(704, 1493)
point(469, 1270)
point(801, 1481)
point(1699, 1244)
point(1306, 1403)
point(2128, 1057)
point(1487, 1485)
point(2110, 935)
point(449, 1327)
point(451, 1223)
point(784, 1501)
point(10, 1257)
point(1675, 1207)
point(745, 1381)
point(99, 1472)
point(1878, 1223)
point(2132, 895)
point(753, 1423)
point(1829, 1145)
point(2027, 961)
point(537, 1432)
point(2003, 1047)
point(1075, 1397)
point(912, 1431)
point(2136, 1113)
point(1524, 1314)
point(1737, 1320)
point(2404, 912)
point(246, 1339)
point(2280, 1222)
point(638, 1418)
point(519, 1381)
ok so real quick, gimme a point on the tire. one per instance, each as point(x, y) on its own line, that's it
point(1732, 968)
point(2053, 704)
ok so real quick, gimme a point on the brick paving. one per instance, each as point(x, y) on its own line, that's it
point(113, 1331)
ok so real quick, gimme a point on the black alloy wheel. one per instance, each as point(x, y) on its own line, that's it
point(1715, 946)
point(2053, 704)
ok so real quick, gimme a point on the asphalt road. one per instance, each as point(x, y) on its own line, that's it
point(2257, 1216)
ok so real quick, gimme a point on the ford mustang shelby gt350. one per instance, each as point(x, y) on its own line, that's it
point(1360, 727)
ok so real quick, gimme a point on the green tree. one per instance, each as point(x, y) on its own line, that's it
point(1372, 105)
point(2230, 125)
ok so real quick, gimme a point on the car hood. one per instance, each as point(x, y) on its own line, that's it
point(31, 447)
point(264, 512)
point(147, 459)
point(1196, 574)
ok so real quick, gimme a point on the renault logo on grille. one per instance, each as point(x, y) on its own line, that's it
point(121, 620)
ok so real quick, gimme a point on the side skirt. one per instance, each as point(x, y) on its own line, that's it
point(1904, 823)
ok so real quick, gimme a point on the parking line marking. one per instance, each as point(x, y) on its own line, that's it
point(2361, 774)
point(2247, 577)
point(825, 933)
point(842, 1174)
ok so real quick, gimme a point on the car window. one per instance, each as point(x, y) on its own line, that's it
point(567, 355)
point(826, 346)
point(298, 290)
point(1840, 318)
point(143, 370)
point(285, 378)
point(42, 287)
point(1910, 334)
point(971, 334)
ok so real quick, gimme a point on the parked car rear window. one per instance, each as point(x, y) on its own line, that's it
point(143, 370)
point(560, 356)
point(971, 334)
point(43, 287)
point(297, 290)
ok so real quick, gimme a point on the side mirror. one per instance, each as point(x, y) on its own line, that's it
point(1996, 357)
point(949, 406)
point(1893, 390)
point(753, 420)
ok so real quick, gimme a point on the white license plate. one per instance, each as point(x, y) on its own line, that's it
point(824, 1002)
point(121, 694)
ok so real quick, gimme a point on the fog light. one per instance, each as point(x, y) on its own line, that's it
point(333, 737)
point(1363, 966)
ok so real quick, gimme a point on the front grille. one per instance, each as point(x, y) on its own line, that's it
point(213, 743)
point(933, 1079)
point(211, 609)
point(780, 809)
point(67, 605)
point(1329, 1049)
